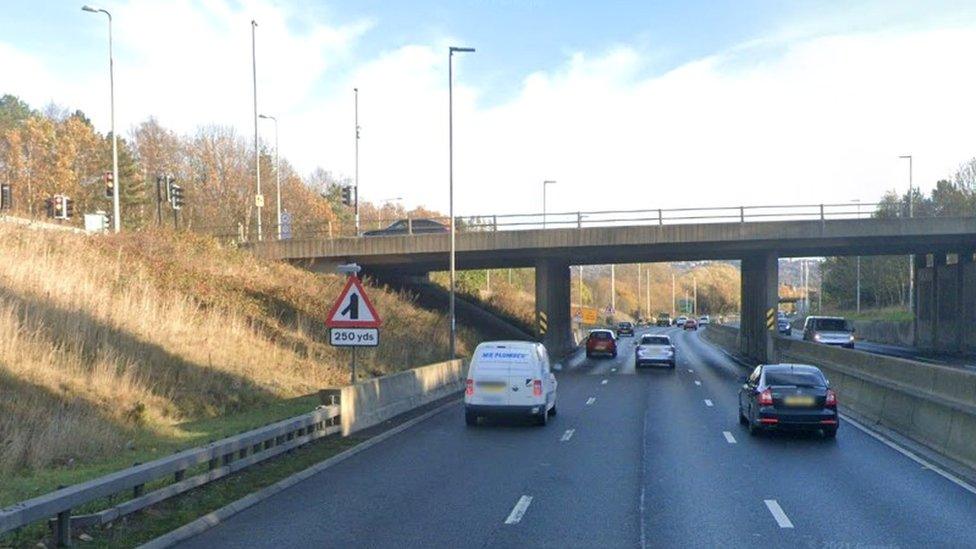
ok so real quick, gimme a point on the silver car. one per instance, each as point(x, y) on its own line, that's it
point(829, 330)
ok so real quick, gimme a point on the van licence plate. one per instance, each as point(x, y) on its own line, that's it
point(492, 386)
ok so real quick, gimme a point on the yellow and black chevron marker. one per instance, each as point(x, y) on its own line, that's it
point(771, 318)
point(543, 323)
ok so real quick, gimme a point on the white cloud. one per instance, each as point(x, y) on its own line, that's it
point(804, 120)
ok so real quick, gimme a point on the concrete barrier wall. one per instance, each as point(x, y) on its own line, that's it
point(930, 404)
point(726, 337)
point(376, 400)
point(884, 331)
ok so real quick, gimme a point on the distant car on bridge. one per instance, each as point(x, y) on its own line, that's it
point(829, 330)
point(410, 226)
point(788, 397)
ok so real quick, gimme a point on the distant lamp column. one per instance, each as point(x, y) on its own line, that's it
point(544, 185)
point(450, 170)
point(116, 207)
point(259, 199)
point(277, 171)
point(911, 213)
point(858, 291)
point(356, 94)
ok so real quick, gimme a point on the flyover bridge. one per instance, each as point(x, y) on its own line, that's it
point(756, 236)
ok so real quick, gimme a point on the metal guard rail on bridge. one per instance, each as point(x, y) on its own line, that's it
point(223, 458)
point(576, 220)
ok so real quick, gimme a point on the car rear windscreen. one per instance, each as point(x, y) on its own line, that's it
point(798, 379)
point(655, 340)
point(601, 335)
point(832, 325)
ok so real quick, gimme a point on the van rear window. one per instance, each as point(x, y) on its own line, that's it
point(832, 325)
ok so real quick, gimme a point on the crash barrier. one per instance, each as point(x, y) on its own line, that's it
point(930, 404)
point(376, 400)
point(886, 331)
point(124, 492)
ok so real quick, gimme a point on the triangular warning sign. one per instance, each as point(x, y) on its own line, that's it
point(353, 308)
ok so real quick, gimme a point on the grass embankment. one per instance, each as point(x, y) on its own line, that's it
point(117, 349)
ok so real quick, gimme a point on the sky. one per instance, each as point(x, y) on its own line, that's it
point(626, 105)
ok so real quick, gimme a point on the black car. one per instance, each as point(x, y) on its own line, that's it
point(625, 328)
point(788, 397)
point(410, 226)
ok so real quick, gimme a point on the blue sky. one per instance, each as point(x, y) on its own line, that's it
point(717, 95)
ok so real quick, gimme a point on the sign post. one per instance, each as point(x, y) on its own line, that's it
point(353, 321)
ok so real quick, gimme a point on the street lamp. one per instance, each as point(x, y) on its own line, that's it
point(259, 198)
point(911, 257)
point(355, 92)
point(544, 185)
point(450, 178)
point(858, 202)
point(277, 170)
point(116, 214)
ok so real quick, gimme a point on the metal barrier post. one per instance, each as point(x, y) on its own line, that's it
point(660, 217)
point(579, 220)
point(62, 529)
point(409, 226)
point(742, 214)
point(494, 223)
point(821, 212)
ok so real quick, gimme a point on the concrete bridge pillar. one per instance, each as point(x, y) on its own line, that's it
point(759, 304)
point(553, 322)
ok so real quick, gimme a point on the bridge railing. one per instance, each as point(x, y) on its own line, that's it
point(554, 220)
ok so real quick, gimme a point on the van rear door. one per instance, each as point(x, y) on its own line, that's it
point(490, 378)
point(526, 386)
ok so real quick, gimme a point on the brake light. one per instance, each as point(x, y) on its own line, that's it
point(766, 398)
point(469, 387)
point(537, 388)
point(831, 401)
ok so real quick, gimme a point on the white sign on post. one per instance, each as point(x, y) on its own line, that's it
point(353, 321)
point(354, 337)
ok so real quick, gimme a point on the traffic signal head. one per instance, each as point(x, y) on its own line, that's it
point(347, 195)
point(109, 184)
point(6, 197)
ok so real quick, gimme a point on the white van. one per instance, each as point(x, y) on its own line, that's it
point(511, 378)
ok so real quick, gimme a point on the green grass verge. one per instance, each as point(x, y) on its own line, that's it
point(144, 448)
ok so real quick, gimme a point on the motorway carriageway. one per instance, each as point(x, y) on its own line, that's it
point(645, 458)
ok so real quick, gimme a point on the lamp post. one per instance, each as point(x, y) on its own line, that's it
point(277, 171)
point(911, 212)
point(356, 94)
point(858, 293)
point(259, 199)
point(450, 178)
point(116, 207)
point(544, 185)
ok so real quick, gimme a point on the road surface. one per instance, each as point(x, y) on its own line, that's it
point(645, 458)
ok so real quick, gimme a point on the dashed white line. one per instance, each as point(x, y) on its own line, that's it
point(728, 437)
point(698, 383)
point(708, 403)
point(519, 510)
point(613, 369)
point(690, 371)
point(567, 435)
point(604, 382)
point(778, 514)
point(590, 400)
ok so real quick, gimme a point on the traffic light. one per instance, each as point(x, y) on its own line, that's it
point(69, 208)
point(109, 184)
point(60, 207)
point(6, 197)
point(175, 195)
point(347, 195)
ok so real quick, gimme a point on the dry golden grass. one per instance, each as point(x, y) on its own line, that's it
point(105, 338)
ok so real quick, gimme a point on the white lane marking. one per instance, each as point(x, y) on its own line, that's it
point(613, 369)
point(690, 371)
point(698, 383)
point(604, 382)
point(778, 514)
point(912, 456)
point(590, 400)
point(519, 510)
point(708, 402)
point(728, 437)
point(567, 435)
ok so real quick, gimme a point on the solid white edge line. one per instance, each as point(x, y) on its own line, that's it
point(519, 510)
point(781, 519)
point(708, 402)
point(911, 455)
point(567, 435)
point(604, 382)
point(728, 437)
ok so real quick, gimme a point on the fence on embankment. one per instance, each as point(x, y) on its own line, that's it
point(930, 404)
